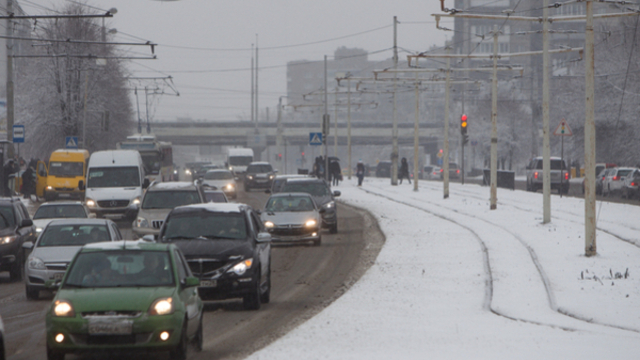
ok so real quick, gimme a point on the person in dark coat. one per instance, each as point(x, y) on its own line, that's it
point(360, 172)
point(335, 172)
point(404, 171)
point(8, 169)
point(28, 182)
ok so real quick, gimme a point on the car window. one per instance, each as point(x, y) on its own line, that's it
point(120, 269)
point(215, 196)
point(207, 224)
point(218, 175)
point(73, 235)
point(313, 188)
point(258, 225)
point(62, 169)
point(182, 267)
point(169, 199)
point(289, 204)
point(22, 211)
point(7, 219)
point(60, 211)
point(624, 172)
point(262, 168)
point(116, 231)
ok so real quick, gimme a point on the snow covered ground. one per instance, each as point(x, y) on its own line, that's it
point(455, 280)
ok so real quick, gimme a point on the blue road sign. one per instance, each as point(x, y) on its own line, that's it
point(71, 142)
point(315, 138)
point(18, 134)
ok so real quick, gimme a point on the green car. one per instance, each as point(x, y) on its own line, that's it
point(125, 296)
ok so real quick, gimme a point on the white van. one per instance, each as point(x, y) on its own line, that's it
point(115, 183)
point(238, 159)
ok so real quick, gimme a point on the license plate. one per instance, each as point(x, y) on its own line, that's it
point(262, 181)
point(58, 276)
point(110, 327)
point(208, 283)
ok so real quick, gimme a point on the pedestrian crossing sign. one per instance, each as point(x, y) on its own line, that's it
point(315, 138)
point(71, 142)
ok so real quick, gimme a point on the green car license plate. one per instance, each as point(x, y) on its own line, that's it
point(110, 327)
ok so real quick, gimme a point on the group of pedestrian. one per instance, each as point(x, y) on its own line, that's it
point(11, 170)
point(335, 171)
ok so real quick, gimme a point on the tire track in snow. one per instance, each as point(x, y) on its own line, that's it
point(489, 277)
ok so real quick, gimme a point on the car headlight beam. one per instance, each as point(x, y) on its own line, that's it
point(162, 306)
point(90, 202)
point(269, 224)
point(63, 308)
point(310, 223)
point(242, 267)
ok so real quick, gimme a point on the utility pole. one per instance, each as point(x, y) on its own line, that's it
point(546, 147)
point(10, 85)
point(253, 85)
point(589, 139)
point(494, 122)
point(445, 147)
point(349, 126)
point(416, 139)
point(326, 123)
point(394, 131)
point(257, 93)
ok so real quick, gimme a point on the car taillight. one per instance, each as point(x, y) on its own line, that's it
point(535, 175)
point(458, 171)
point(566, 176)
point(616, 178)
point(633, 183)
point(441, 170)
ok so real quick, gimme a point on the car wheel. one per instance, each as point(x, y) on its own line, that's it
point(32, 293)
point(199, 339)
point(54, 355)
point(15, 273)
point(266, 296)
point(251, 301)
point(180, 351)
point(334, 228)
point(318, 241)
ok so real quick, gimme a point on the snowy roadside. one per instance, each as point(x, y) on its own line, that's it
point(456, 280)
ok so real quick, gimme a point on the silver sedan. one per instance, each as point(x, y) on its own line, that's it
point(293, 217)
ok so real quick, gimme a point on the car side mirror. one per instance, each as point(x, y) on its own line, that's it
point(268, 191)
point(26, 222)
point(191, 281)
point(27, 245)
point(149, 238)
point(263, 237)
point(92, 216)
point(145, 183)
point(336, 193)
point(81, 185)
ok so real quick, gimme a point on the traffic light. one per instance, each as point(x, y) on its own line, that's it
point(463, 125)
point(278, 157)
point(465, 139)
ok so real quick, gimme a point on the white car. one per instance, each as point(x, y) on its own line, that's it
point(220, 179)
point(57, 245)
point(431, 172)
point(614, 180)
point(293, 217)
point(59, 210)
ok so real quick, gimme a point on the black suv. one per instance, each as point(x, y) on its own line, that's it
point(16, 228)
point(259, 174)
point(321, 192)
point(227, 246)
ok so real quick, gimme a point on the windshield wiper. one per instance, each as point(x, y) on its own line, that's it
point(74, 286)
point(213, 237)
point(179, 237)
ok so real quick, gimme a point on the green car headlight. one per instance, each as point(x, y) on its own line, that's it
point(63, 308)
point(162, 306)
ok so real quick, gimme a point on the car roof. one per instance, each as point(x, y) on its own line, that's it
point(58, 203)
point(172, 185)
point(213, 207)
point(80, 221)
point(218, 170)
point(260, 163)
point(286, 194)
point(126, 245)
point(306, 180)
point(294, 176)
point(551, 158)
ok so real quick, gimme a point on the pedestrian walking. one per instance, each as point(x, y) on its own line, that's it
point(360, 172)
point(335, 172)
point(8, 169)
point(404, 170)
point(28, 182)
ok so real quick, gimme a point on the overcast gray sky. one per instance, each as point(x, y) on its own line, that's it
point(205, 44)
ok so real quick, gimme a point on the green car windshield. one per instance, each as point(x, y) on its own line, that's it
point(120, 269)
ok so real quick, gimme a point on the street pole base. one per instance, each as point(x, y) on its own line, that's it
point(590, 251)
point(493, 206)
point(446, 196)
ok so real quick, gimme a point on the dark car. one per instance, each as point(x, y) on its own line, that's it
point(321, 192)
point(227, 246)
point(383, 169)
point(259, 174)
point(16, 227)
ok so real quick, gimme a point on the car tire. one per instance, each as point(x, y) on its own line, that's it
point(15, 273)
point(32, 293)
point(251, 301)
point(180, 351)
point(266, 296)
point(317, 242)
point(198, 340)
point(54, 355)
point(334, 229)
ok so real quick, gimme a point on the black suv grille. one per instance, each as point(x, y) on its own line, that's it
point(113, 203)
point(202, 267)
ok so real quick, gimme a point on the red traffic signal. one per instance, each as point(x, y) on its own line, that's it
point(463, 121)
